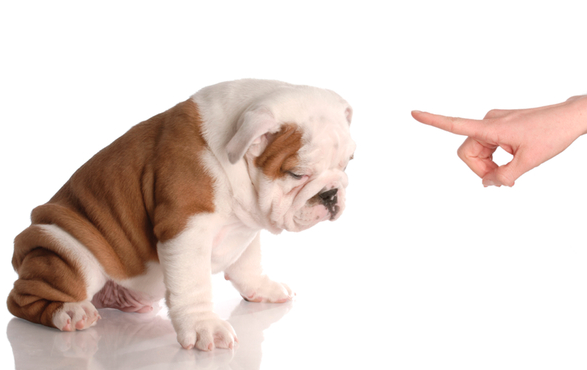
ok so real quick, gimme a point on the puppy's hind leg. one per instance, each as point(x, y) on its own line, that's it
point(52, 288)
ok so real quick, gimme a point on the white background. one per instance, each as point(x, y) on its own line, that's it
point(426, 268)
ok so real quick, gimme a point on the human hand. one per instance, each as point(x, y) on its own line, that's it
point(532, 136)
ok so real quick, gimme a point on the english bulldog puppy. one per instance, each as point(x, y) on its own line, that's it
point(182, 196)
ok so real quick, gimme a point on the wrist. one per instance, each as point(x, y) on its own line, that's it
point(578, 105)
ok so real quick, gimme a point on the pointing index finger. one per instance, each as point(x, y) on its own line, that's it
point(459, 126)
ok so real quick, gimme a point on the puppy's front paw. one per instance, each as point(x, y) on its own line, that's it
point(206, 334)
point(265, 290)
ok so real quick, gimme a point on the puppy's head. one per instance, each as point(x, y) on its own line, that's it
point(296, 144)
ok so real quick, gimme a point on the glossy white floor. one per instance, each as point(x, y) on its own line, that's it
point(135, 341)
point(426, 269)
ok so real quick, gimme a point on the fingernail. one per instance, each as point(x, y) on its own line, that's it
point(487, 183)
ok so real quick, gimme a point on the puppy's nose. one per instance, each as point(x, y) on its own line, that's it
point(329, 197)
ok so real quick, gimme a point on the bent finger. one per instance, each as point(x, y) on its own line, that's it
point(478, 156)
point(508, 173)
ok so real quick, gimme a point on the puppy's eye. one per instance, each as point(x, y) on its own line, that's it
point(295, 175)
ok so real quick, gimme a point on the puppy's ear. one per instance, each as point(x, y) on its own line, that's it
point(252, 130)
point(349, 114)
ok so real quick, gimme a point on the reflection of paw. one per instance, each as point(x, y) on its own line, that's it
point(39, 347)
point(76, 316)
point(266, 290)
point(82, 344)
point(206, 333)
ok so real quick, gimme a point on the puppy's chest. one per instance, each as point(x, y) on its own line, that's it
point(229, 243)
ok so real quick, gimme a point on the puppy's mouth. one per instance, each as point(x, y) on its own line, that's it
point(310, 216)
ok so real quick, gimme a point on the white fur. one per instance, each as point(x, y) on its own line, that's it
point(237, 116)
point(187, 269)
point(247, 277)
point(149, 284)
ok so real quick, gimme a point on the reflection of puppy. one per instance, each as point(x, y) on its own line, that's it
point(183, 195)
point(130, 339)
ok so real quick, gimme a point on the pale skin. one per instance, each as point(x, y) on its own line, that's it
point(532, 136)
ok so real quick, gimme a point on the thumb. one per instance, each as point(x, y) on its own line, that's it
point(507, 174)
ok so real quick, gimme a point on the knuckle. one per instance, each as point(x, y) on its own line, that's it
point(493, 113)
point(461, 153)
point(576, 97)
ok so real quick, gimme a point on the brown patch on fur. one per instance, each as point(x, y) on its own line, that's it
point(281, 155)
point(137, 191)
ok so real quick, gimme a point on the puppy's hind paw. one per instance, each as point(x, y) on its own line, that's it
point(74, 316)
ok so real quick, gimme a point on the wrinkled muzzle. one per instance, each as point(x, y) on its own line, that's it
point(320, 200)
